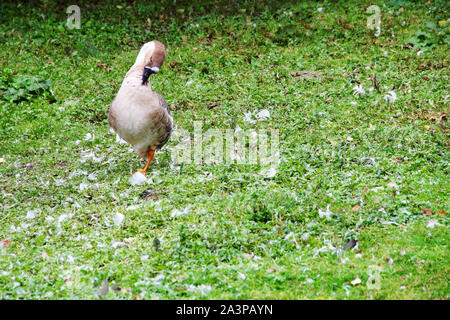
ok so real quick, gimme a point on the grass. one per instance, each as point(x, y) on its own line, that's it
point(61, 188)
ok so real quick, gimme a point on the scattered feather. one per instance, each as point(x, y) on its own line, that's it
point(90, 156)
point(117, 244)
point(358, 90)
point(176, 212)
point(253, 117)
point(269, 172)
point(248, 118)
point(133, 207)
point(89, 137)
point(433, 223)
point(137, 179)
point(327, 213)
point(263, 115)
point(83, 186)
point(118, 219)
point(61, 218)
point(157, 281)
point(119, 140)
point(31, 214)
point(202, 289)
point(391, 96)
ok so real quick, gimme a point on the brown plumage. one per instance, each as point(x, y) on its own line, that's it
point(137, 114)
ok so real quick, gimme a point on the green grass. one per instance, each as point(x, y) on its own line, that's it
point(235, 242)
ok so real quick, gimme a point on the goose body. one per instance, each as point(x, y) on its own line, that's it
point(138, 115)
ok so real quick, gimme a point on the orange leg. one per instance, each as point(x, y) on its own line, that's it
point(151, 153)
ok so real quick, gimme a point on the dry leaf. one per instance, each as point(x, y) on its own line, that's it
point(115, 287)
point(180, 288)
point(356, 281)
point(156, 244)
point(5, 242)
point(350, 244)
point(61, 164)
point(212, 105)
point(102, 65)
point(149, 194)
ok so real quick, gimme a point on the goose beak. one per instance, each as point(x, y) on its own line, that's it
point(147, 72)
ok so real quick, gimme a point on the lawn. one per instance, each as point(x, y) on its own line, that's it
point(357, 207)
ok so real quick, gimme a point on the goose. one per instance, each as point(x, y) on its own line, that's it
point(138, 115)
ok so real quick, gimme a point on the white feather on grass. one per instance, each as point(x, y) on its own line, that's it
point(138, 179)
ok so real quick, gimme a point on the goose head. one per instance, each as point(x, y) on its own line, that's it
point(151, 57)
